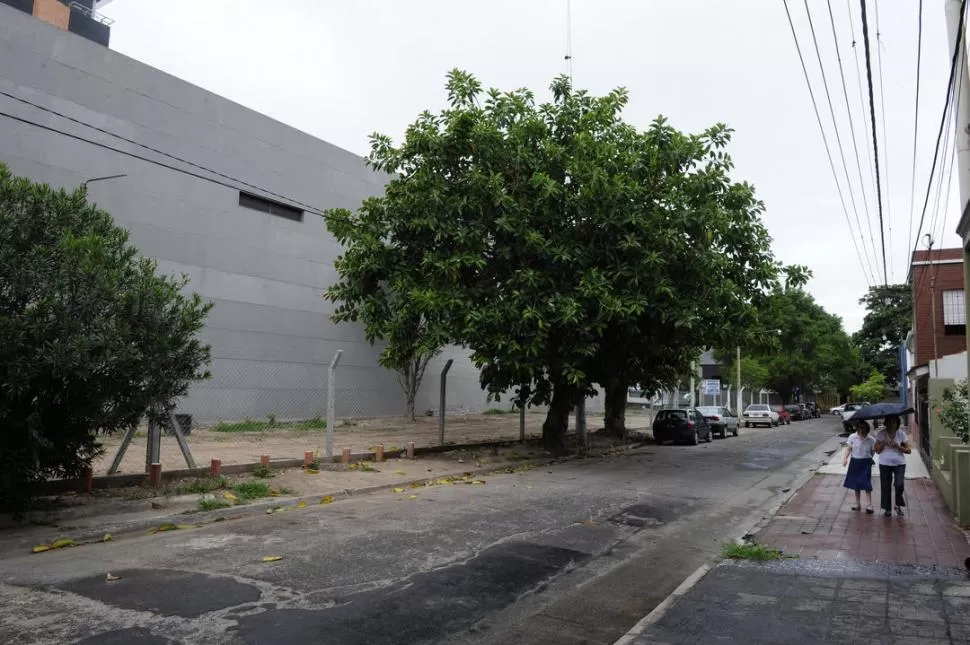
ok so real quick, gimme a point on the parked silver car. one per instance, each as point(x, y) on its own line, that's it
point(760, 414)
point(722, 420)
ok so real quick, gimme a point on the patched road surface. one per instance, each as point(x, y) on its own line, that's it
point(569, 554)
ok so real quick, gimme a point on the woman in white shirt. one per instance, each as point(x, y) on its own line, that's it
point(892, 446)
point(858, 456)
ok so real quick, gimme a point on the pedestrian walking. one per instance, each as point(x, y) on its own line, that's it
point(892, 446)
point(859, 450)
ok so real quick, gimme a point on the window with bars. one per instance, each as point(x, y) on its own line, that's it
point(954, 312)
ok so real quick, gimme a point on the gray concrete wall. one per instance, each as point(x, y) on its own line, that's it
point(269, 329)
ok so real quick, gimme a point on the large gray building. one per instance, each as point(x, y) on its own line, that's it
point(213, 190)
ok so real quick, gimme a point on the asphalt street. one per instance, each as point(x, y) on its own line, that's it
point(573, 553)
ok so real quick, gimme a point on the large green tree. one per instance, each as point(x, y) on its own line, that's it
point(810, 351)
point(565, 247)
point(92, 339)
point(889, 317)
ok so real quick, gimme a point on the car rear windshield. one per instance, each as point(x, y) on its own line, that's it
point(758, 408)
point(672, 414)
point(707, 409)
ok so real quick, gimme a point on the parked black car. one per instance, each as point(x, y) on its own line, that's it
point(681, 425)
point(796, 413)
point(814, 409)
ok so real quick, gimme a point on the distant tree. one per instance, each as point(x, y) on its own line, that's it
point(92, 339)
point(383, 289)
point(889, 317)
point(565, 247)
point(872, 390)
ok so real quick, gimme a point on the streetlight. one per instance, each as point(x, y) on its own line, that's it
point(84, 184)
point(776, 332)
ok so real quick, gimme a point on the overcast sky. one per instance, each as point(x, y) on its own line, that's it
point(341, 70)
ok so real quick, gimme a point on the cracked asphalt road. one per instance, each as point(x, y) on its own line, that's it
point(573, 553)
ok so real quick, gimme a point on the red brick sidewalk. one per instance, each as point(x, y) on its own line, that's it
point(818, 523)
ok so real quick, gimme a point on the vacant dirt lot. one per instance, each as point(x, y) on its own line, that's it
point(239, 447)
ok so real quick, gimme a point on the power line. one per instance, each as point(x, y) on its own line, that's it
point(946, 107)
point(885, 137)
point(862, 105)
point(845, 94)
point(828, 150)
point(875, 138)
point(307, 207)
point(912, 188)
point(838, 138)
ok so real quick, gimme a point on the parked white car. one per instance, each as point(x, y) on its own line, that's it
point(837, 409)
point(758, 414)
point(848, 410)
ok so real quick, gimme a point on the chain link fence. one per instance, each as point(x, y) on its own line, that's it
point(249, 410)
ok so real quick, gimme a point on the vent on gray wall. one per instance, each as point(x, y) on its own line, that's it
point(269, 206)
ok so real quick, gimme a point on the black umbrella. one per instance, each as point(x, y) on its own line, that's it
point(881, 410)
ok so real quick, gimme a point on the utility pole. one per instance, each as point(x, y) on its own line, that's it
point(737, 360)
point(936, 354)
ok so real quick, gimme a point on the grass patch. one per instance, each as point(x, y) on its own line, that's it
point(212, 504)
point(248, 491)
point(734, 551)
point(491, 411)
point(316, 423)
point(363, 466)
point(262, 471)
point(200, 486)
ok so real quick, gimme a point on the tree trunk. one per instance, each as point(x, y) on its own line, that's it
point(557, 419)
point(614, 417)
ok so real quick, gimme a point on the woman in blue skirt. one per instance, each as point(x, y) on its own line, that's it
point(858, 457)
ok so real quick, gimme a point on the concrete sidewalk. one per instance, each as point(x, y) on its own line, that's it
point(811, 602)
point(849, 577)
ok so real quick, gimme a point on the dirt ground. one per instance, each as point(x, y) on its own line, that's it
point(359, 435)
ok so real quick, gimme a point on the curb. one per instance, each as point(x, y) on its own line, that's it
point(660, 610)
point(691, 581)
point(142, 526)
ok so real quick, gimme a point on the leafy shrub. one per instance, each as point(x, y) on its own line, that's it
point(952, 409)
point(92, 339)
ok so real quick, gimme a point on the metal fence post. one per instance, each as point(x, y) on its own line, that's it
point(442, 401)
point(331, 403)
point(153, 453)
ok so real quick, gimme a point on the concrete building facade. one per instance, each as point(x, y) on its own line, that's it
point(222, 194)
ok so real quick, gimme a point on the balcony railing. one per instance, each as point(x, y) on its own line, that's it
point(93, 15)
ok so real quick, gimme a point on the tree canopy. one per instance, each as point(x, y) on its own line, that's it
point(872, 390)
point(802, 347)
point(562, 245)
point(889, 317)
point(91, 338)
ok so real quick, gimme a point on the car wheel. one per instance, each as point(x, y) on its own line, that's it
point(746, 425)
point(710, 435)
point(696, 439)
point(735, 431)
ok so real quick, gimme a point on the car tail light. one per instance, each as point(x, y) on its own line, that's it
point(690, 424)
point(714, 418)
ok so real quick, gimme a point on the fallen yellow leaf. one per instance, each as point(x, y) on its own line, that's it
point(302, 503)
point(274, 493)
point(412, 496)
point(271, 558)
point(230, 496)
point(400, 472)
point(398, 490)
point(328, 499)
point(111, 578)
point(311, 471)
point(62, 543)
point(107, 537)
point(40, 548)
point(479, 481)
point(168, 526)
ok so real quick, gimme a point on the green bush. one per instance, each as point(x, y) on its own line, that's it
point(92, 339)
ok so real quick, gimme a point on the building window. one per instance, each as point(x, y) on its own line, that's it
point(269, 206)
point(954, 312)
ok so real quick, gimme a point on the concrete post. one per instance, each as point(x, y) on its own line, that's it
point(442, 401)
point(331, 402)
point(581, 421)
